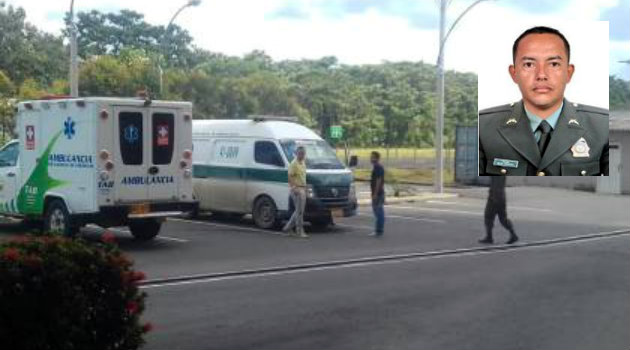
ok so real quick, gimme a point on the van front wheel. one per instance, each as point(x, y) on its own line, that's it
point(265, 213)
point(57, 220)
point(145, 229)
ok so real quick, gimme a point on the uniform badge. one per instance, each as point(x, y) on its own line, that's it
point(574, 122)
point(511, 121)
point(580, 149)
point(506, 163)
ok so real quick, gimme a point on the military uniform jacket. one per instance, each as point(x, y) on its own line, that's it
point(578, 145)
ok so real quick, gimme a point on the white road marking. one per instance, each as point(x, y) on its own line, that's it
point(510, 207)
point(393, 259)
point(411, 218)
point(168, 238)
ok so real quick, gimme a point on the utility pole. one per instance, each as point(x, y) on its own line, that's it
point(74, 63)
point(439, 119)
point(439, 115)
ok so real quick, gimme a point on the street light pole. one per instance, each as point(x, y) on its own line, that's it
point(190, 3)
point(439, 115)
point(74, 64)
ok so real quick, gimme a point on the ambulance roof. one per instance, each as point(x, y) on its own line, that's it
point(270, 129)
point(123, 101)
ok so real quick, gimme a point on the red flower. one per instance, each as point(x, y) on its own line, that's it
point(11, 254)
point(132, 307)
point(148, 327)
point(108, 237)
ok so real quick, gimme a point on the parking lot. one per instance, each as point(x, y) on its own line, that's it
point(426, 284)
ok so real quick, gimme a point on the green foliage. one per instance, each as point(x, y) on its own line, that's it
point(28, 52)
point(124, 75)
point(111, 33)
point(619, 91)
point(59, 293)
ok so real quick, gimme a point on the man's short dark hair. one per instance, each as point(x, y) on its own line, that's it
point(376, 155)
point(541, 30)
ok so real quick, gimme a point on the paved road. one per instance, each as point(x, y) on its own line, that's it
point(565, 295)
point(560, 297)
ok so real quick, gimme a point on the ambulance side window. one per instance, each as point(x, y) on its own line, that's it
point(266, 152)
point(130, 125)
point(163, 135)
point(9, 155)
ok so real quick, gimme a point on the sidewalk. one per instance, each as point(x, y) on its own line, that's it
point(406, 193)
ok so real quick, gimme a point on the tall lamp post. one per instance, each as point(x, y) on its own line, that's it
point(74, 65)
point(190, 3)
point(439, 116)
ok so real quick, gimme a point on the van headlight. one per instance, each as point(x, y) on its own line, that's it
point(310, 192)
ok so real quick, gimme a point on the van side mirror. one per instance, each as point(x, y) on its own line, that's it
point(354, 161)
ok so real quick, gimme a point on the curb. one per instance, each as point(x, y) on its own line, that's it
point(421, 197)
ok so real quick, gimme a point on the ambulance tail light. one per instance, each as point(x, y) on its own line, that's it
point(109, 165)
point(183, 164)
point(187, 154)
point(104, 114)
point(104, 154)
point(104, 175)
point(188, 173)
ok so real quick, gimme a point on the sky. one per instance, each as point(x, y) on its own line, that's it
point(355, 31)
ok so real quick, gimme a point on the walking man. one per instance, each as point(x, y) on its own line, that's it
point(377, 186)
point(496, 205)
point(297, 187)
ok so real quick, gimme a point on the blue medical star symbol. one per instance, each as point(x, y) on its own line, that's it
point(68, 128)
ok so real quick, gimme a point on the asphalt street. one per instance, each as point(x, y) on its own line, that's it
point(224, 284)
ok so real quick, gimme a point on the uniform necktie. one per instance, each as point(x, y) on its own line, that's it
point(545, 136)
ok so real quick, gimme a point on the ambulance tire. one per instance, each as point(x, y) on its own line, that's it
point(145, 229)
point(57, 219)
point(265, 213)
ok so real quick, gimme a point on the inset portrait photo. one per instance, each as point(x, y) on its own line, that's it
point(543, 100)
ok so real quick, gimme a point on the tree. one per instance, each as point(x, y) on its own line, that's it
point(112, 33)
point(28, 52)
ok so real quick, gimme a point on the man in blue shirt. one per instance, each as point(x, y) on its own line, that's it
point(377, 187)
point(543, 134)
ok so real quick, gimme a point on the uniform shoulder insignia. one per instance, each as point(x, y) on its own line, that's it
point(498, 109)
point(591, 109)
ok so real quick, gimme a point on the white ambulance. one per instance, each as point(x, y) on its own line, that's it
point(240, 167)
point(108, 161)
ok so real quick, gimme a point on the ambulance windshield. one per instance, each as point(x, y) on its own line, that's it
point(319, 155)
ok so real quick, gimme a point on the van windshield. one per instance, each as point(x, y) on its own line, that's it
point(319, 155)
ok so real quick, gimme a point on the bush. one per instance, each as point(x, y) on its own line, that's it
point(59, 293)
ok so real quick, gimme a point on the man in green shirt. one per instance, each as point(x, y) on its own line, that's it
point(297, 186)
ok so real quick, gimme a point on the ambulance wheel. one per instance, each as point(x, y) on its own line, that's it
point(145, 229)
point(265, 213)
point(57, 220)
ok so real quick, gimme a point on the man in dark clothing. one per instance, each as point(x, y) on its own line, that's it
point(377, 186)
point(496, 205)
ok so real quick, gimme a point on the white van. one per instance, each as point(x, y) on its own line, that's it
point(240, 167)
point(109, 161)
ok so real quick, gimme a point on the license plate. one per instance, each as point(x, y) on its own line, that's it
point(337, 213)
point(142, 208)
